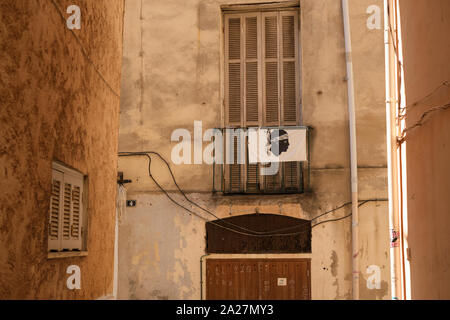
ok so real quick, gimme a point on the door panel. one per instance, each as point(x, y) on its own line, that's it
point(258, 279)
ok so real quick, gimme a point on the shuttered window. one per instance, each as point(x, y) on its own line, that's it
point(66, 212)
point(262, 69)
point(262, 89)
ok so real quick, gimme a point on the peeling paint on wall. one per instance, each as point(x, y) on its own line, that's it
point(183, 84)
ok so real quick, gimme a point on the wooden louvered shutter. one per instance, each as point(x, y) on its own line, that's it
point(281, 68)
point(252, 174)
point(290, 98)
point(252, 92)
point(270, 66)
point(236, 169)
point(252, 178)
point(262, 88)
point(272, 183)
point(291, 176)
point(56, 200)
point(72, 213)
point(233, 66)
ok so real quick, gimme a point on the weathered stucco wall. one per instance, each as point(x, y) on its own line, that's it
point(426, 48)
point(55, 106)
point(172, 77)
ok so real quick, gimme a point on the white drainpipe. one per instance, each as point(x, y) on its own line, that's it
point(395, 263)
point(120, 210)
point(353, 152)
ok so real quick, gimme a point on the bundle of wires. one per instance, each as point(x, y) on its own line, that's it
point(223, 223)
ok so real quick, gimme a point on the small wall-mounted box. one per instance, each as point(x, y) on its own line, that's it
point(131, 203)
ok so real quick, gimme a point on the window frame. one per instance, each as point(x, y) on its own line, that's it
point(75, 177)
point(261, 11)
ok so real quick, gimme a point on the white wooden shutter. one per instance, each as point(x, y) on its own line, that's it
point(72, 212)
point(75, 229)
point(56, 200)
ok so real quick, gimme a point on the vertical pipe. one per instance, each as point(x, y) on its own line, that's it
point(392, 158)
point(121, 198)
point(201, 275)
point(214, 165)
point(308, 185)
point(116, 256)
point(401, 150)
point(353, 151)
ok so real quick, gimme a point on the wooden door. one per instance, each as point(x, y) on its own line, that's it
point(258, 279)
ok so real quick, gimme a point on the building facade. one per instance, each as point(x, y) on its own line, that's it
point(59, 120)
point(420, 76)
point(212, 61)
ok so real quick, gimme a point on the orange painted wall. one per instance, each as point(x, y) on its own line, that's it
point(426, 45)
point(53, 105)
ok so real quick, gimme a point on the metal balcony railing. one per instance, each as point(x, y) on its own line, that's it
point(246, 178)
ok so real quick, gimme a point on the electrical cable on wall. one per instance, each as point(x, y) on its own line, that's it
point(419, 123)
point(403, 110)
point(422, 119)
point(428, 96)
point(253, 233)
point(84, 52)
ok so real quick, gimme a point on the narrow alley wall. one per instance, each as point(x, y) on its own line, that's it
point(172, 77)
point(54, 106)
point(426, 47)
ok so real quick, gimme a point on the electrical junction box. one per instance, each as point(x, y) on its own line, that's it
point(131, 203)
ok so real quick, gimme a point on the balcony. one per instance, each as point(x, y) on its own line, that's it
point(245, 161)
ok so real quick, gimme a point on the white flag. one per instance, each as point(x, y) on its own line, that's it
point(277, 145)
